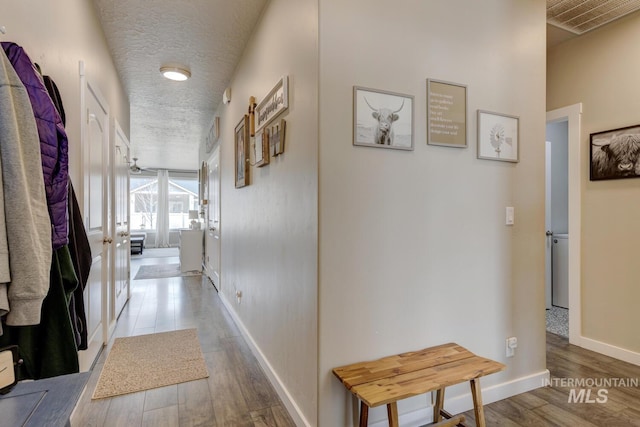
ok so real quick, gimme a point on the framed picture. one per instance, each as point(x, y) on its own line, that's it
point(241, 140)
point(382, 119)
point(615, 154)
point(446, 114)
point(261, 148)
point(275, 103)
point(277, 137)
point(498, 136)
point(213, 135)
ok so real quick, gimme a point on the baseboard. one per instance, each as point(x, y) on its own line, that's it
point(283, 393)
point(463, 403)
point(610, 350)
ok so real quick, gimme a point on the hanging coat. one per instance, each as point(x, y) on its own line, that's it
point(53, 142)
point(27, 225)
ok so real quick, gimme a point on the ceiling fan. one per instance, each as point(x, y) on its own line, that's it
point(136, 170)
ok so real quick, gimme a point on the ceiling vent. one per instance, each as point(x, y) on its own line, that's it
point(580, 16)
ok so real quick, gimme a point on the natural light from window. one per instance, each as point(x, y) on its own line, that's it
point(183, 196)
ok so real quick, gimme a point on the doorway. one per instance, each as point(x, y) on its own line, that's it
point(571, 116)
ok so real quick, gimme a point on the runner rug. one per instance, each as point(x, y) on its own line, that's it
point(148, 361)
point(160, 271)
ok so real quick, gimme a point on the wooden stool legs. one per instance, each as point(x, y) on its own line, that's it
point(439, 406)
point(477, 402)
point(392, 414)
point(438, 409)
point(364, 414)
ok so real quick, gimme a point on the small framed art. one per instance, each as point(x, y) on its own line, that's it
point(382, 119)
point(446, 114)
point(241, 140)
point(497, 136)
point(261, 148)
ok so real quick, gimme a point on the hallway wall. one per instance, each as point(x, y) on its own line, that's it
point(269, 228)
point(600, 69)
point(414, 250)
point(57, 35)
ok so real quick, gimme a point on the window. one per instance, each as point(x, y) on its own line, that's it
point(183, 197)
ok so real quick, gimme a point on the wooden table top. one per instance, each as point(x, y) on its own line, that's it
point(386, 380)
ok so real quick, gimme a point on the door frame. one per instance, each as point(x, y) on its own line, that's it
point(573, 115)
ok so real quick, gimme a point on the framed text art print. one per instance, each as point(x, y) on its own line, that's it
point(446, 114)
point(274, 104)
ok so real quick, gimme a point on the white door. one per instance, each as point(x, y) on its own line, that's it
point(95, 135)
point(560, 261)
point(212, 239)
point(121, 249)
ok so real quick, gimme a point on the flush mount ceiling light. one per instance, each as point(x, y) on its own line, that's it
point(175, 73)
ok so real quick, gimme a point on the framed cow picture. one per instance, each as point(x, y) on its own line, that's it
point(615, 154)
point(382, 119)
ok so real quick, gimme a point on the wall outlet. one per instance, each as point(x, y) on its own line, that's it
point(510, 346)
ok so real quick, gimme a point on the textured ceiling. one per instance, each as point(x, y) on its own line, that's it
point(169, 119)
point(580, 16)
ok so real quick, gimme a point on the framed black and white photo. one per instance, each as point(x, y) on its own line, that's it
point(241, 140)
point(615, 154)
point(498, 136)
point(382, 119)
point(446, 114)
point(275, 103)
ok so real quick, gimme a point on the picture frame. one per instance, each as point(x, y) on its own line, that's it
point(213, 135)
point(615, 154)
point(241, 145)
point(277, 137)
point(261, 148)
point(446, 114)
point(273, 104)
point(382, 119)
point(498, 136)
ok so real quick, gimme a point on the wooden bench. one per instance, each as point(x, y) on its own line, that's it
point(387, 380)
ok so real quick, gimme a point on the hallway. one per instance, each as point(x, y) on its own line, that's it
point(236, 393)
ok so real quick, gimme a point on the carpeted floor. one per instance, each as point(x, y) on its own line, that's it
point(558, 321)
point(149, 361)
point(161, 271)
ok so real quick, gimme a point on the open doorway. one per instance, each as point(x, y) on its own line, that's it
point(557, 227)
point(563, 217)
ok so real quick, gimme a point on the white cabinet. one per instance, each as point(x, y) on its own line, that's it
point(191, 250)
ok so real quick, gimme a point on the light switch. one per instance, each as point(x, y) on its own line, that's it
point(510, 215)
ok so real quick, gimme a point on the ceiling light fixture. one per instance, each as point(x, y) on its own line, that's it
point(175, 73)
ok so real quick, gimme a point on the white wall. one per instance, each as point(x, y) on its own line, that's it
point(414, 250)
point(600, 69)
point(269, 228)
point(57, 35)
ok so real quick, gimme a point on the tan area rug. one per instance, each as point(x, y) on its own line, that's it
point(160, 271)
point(148, 361)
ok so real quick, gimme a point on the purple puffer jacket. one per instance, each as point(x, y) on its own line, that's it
point(53, 142)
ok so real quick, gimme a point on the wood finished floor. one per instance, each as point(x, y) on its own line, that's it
point(237, 393)
point(548, 406)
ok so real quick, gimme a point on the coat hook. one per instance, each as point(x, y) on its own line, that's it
point(3, 30)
